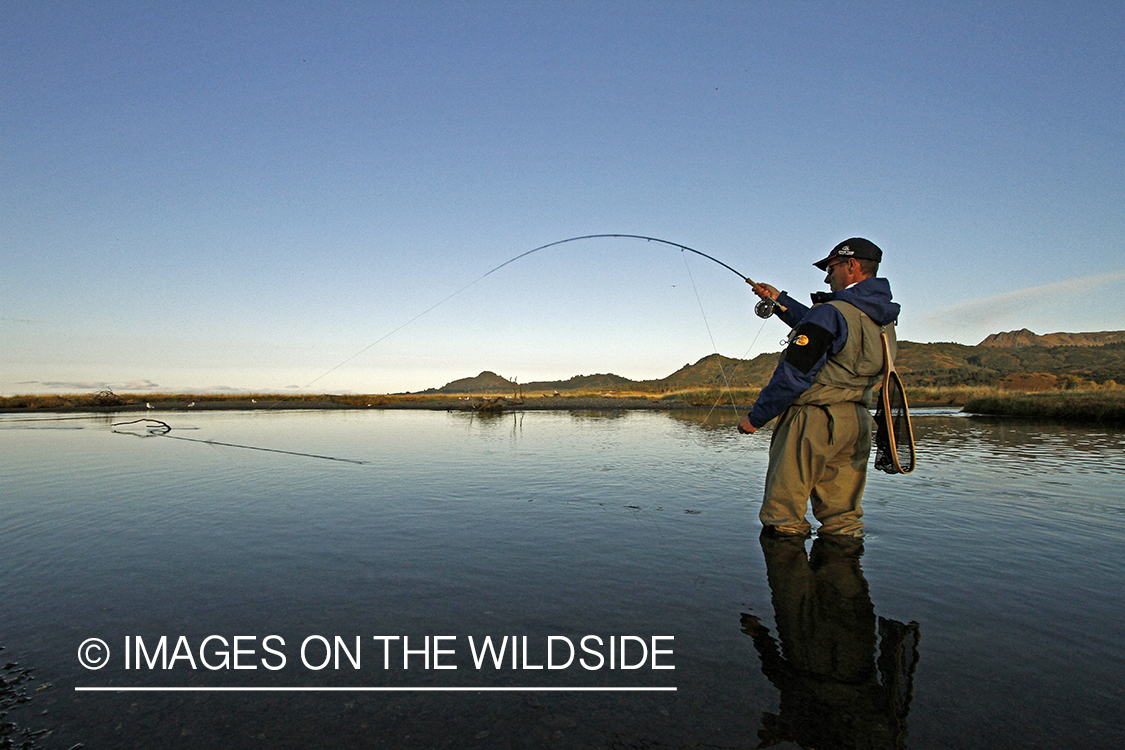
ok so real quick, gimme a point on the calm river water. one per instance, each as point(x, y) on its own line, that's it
point(614, 557)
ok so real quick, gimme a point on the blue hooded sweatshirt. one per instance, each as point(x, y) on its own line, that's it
point(828, 331)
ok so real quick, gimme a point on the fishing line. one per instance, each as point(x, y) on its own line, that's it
point(714, 346)
point(508, 262)
point(735, 371)
point(760, 310)
point(742, 454)
point(488, 273)
point(163, 428)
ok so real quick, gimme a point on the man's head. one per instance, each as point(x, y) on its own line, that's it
point(849, 262)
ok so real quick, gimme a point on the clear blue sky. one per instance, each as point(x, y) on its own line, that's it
point(205, 195)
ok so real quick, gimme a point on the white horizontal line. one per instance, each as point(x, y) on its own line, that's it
point(368, 689)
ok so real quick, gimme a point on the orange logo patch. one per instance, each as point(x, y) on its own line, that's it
point(801, 340)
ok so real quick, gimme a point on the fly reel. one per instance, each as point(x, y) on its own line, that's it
point(765, 307)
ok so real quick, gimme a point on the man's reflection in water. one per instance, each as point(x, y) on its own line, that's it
point(834, 692)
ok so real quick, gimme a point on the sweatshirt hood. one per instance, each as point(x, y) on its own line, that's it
point(873, 297)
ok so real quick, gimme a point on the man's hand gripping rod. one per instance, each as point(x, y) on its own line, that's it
point(767, 305)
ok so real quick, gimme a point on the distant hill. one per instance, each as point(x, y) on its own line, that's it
point(717, 370)
point(918, 364)
point(1024, 337)
point(714, 370)
point(953, 364)
point(489, 382)
point(486, 382)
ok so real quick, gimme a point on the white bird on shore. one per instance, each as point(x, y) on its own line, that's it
point(148, 405)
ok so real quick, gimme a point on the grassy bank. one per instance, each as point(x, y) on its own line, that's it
point(108, 401)
point(699, 397)
point(949, 395)
point(1105, 406)
point(1098, 405)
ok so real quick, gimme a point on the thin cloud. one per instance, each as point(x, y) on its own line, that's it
point(989, 311)
point(89, 385)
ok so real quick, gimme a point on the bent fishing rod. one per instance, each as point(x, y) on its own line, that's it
point(764, 308)
point(623, 236)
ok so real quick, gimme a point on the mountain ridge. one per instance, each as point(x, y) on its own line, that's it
point(931, 364)
point(1024, 337)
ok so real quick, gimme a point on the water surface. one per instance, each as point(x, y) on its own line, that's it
point(984, 609)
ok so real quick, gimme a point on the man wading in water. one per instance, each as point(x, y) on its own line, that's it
point(822, 389)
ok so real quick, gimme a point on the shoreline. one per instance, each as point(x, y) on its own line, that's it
point(1105, 408)
point(476, 404)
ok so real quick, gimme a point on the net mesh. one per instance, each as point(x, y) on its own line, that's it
point(894, 438)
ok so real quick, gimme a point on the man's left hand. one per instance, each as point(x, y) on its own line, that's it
point(745, 428)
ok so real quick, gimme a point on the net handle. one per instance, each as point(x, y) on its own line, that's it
point(890, 373)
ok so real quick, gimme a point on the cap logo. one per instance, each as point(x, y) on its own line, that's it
point(845, 250)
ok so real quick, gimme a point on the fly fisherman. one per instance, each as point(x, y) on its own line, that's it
point(822, 390)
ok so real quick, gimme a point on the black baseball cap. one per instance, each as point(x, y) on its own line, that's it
point(856, 247)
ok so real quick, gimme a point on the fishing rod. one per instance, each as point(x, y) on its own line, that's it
point(624, 236)
point(763, 309)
